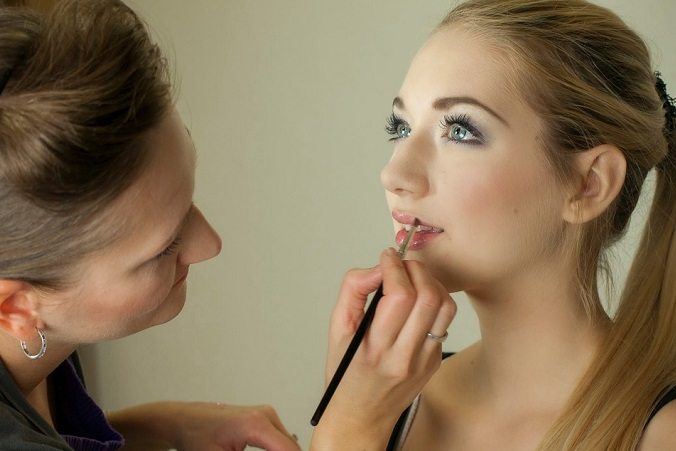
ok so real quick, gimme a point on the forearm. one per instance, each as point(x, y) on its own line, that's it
point(147, 426)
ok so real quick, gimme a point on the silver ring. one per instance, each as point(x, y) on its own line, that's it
point(437, 338)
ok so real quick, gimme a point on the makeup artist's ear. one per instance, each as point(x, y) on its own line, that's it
point(600, 175)
point(18, 302)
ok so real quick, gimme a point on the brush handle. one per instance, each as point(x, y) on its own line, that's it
point(349, 354)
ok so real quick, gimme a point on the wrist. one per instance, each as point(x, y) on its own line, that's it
point(154, 425)
point(348, 433)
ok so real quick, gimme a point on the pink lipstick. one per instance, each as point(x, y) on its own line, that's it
point(424, 232)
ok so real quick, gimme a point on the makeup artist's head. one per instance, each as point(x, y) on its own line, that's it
point(97, 169)
point(525, 130)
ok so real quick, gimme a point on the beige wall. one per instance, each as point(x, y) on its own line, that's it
point(286, 101)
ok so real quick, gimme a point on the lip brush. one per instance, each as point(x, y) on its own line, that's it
point(358, 337)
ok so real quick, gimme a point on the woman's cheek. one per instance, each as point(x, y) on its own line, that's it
point(148, 292)
point(477, 200)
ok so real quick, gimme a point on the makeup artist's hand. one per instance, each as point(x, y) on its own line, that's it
point(395, 359)
point(202, 426)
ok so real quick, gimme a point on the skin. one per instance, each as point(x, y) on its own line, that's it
point(128, 286)
point(502, 214)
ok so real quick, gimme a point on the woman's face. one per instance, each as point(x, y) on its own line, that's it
point(139, 280)
point(467, 160)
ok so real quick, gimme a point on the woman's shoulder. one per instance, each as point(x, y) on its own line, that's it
point(451, 373)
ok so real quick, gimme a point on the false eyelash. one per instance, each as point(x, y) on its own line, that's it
point(393, 122)
point(464, 121)
point(170, 249)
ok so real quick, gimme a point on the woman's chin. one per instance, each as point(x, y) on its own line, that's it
point(170, 308)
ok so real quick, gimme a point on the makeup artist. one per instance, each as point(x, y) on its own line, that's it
point(97, 231)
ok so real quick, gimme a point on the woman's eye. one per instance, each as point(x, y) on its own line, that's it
point(403, 131)
point(397, 128)
point(458, 132)
point(170, 250)
point(461, 130)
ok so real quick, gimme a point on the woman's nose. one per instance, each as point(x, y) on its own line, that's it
point(202, 242)
point(406, 172)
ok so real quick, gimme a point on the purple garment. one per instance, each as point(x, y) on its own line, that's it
point(77, 418)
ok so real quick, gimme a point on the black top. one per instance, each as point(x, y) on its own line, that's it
point(663, 401)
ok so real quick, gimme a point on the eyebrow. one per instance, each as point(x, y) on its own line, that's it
point(444, 103)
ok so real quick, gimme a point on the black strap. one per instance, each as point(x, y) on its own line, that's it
point(666, 399)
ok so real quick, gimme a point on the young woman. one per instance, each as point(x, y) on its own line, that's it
point(523, 134)
point(97, 231)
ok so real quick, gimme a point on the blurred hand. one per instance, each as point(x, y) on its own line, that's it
point(220, 427)
point(395, 359)
point(200, 426)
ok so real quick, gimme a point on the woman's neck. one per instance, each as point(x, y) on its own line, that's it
point(536, 341)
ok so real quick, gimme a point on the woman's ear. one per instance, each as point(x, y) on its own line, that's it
point(18, 302)
point(600, 174)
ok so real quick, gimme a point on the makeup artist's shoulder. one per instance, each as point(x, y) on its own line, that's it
point(661, 431)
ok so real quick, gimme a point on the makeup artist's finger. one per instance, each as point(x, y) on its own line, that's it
point(271, 414)
point(265, 436)
point(349, 309)
point(396, 304)
point(431, 296)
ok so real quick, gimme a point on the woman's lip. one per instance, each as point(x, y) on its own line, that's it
point(419, 239)
point(409, 219)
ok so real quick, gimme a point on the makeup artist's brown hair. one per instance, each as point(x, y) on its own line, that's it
point(590, 78)
point(85, 85)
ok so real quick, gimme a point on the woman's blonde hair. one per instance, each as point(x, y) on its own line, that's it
point(590, 78)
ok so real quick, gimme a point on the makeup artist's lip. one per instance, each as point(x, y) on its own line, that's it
point(426, 232)
point(181, 279)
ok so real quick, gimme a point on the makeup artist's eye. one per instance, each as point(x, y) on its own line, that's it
point(461, 129)
point(397, 127)
point(170, 250)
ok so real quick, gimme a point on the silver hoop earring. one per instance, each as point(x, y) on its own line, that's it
point(43, 347)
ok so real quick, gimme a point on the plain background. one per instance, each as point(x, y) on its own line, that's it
point(286, 102)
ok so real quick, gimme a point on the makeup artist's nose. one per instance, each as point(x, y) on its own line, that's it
point(202, 242)
point(406, 172)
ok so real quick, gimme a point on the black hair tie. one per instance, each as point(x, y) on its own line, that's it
point(669, 121)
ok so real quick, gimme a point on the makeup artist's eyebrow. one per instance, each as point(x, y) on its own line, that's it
point(444, 103)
